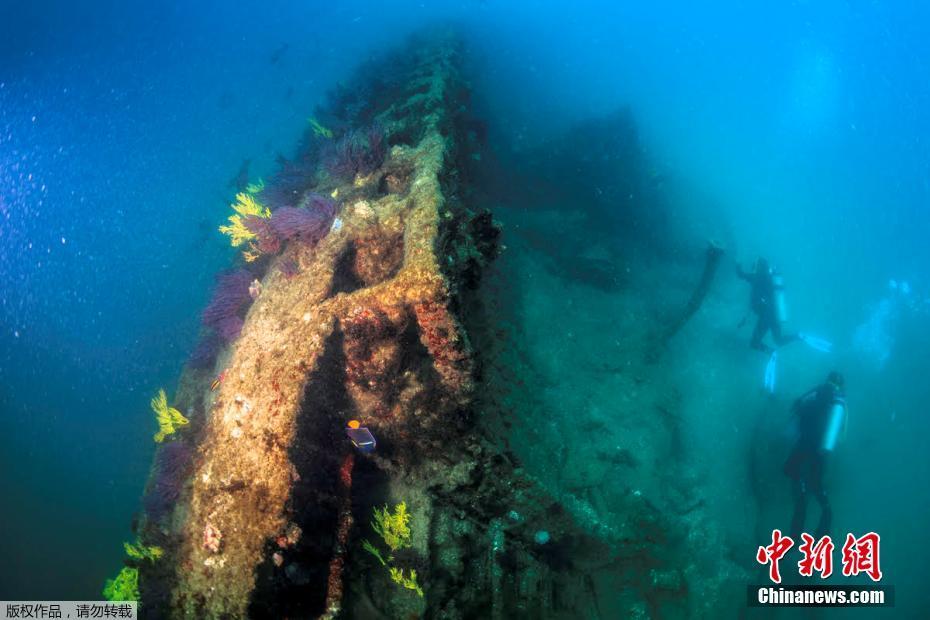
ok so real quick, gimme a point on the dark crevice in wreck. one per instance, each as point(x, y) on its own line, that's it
point(296, 587)
point(345, 279)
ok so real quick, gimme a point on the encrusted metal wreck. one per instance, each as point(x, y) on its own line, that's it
point(367, 325)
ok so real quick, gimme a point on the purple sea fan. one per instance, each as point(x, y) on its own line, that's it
point(266, 240)
point(307, 224)
point(290, 182)
point(357, 152)
point(204, 354)
point(289, 268)
point(173, 464)
point(321, 204)
point(230, 297)
point(377, 145)
point(229, 328)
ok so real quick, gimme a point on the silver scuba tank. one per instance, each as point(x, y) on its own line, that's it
point(778, 294)
point(835, 419)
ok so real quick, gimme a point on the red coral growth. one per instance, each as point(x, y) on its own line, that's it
point(293, 533)
point(372, 353)
point(290, 537)
point(440, 334)
point(345, 471)
point(334, 585)
point(365, 325)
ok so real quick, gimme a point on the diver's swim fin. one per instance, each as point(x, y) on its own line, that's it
point(816, 343)
point(770, 374)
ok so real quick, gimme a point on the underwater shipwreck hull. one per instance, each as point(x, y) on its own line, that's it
point(246, 473)
point(272, 520)
point(275, 517)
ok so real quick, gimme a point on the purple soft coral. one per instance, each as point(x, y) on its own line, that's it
point(290, 182)
point(266, 239)
point(321, 204)
point(377, 145)
point(229, 298)
point(204, 354)
point(229, 328)
point(289, 268)
point(172, 466)
point(358, 152)
point(309, 224)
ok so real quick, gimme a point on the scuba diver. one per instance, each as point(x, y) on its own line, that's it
point(821, 416)
point(767, 301)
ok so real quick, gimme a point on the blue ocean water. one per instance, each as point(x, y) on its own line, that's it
point(796, 132)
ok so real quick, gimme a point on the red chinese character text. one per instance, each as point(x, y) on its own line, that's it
point(817, 557)
point(773, 553)
point(860, 555)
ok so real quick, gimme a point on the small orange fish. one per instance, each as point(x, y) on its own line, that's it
point(216, 382)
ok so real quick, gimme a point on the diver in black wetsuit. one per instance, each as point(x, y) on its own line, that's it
point(821, 415)
point(766, 299)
